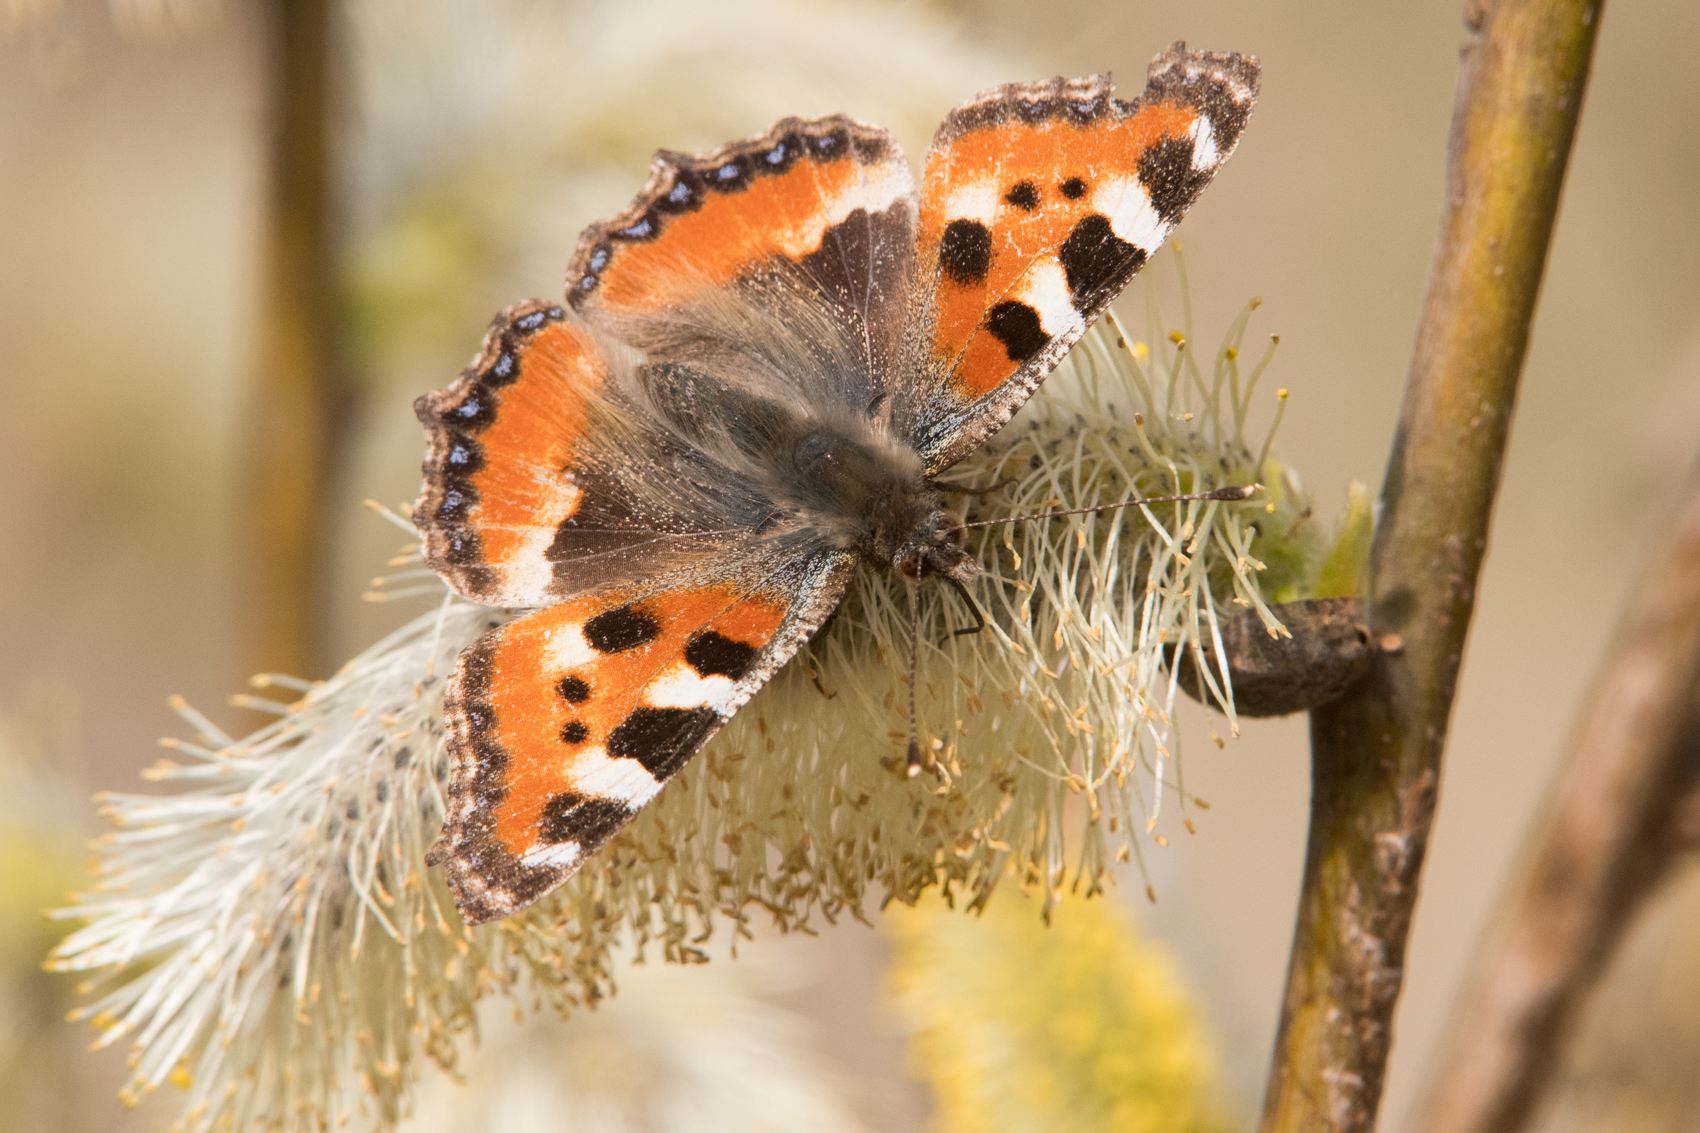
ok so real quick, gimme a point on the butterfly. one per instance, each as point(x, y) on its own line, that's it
point(759, 372)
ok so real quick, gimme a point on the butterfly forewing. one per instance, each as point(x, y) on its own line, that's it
point(544, 479)
point(826, 205)
point(1039, 203)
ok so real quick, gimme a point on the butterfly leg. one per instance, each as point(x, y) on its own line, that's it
point(969, 490)
point(912, 762)
point(973, 608)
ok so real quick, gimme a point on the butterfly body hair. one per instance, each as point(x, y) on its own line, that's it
point(754, 402)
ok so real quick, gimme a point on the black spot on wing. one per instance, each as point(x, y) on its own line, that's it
point(589, 821)
point(685, 194)
point(465, 456)
point(1074, 188)
point(573, 690)
point(1223, 92)
point(504, 369)
point(1097, 262)
point(965, 251)
point(1035, 110)
point(457, 501)
point(832, 145)
point(473, 412)
point(730, 176)
point(782, 154)
point(871, 149)
point(464, 548)
point(619, 630)
point(1017, 326)
point(575, 732)
point(478, 753)
point(1165, 169)
point(532, 321)
point(712, 654)
point(591, 275)
point(662, 739)
point(1023, 196)
point(642, 230)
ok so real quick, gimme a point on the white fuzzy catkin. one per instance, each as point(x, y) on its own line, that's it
point(269, 937)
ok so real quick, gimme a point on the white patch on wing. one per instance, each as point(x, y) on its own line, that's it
point(683, 687)
point(977, 200)
point(531, 574)
point(877, 189)
point(1132, 217)
point(1204, 152)
point(560, 855)
point(594, 773)
point(527, 569)
point(1045, 289)
point(567, 648)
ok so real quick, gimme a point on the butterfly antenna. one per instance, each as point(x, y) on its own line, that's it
point(913, 763)
point(1241, 492)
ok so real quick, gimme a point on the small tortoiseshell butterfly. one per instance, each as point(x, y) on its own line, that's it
point(760, 368)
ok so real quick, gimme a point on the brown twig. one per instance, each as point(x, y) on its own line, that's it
point(1376, 753)
point(1609, 833)
point(1324, 652)
point(289, 431)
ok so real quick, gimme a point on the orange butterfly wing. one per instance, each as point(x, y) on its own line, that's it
point(497, 440)
point(1039, 203)
point(564, 723)
point(827, 204)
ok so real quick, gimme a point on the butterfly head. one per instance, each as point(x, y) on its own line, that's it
point(935, 546)
point(865, 492)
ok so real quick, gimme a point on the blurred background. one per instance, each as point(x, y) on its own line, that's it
point(146, 376)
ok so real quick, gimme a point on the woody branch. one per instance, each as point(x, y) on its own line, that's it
point(292, 414)
point(1623, 808)
point(1376, 753)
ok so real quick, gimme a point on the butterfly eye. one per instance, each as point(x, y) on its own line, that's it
point(913, 566)
point(951, 524)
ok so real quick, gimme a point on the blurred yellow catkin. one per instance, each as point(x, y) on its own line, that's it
point(1082, 1025)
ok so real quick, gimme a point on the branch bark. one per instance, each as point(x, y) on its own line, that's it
point(1621, 810)
point(1376, 753)
point(289, 430)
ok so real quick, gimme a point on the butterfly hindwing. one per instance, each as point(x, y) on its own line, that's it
point(1039, 203)
point(565, 722)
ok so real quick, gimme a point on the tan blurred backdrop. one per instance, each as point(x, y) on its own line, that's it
point(130, 180)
